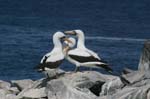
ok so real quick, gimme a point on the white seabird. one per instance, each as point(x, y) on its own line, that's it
point(51, 61)
point(82, 56)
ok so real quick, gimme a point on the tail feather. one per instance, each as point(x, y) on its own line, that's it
point(110, 71)
point(106, 67)
point(39, 67)
point(103, 61)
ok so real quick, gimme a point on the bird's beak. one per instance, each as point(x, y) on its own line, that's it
point(66, 39)
point(70, 32)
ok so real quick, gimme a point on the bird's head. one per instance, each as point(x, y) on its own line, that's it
point(71, 45)
point(61, 36)
point(74, 32)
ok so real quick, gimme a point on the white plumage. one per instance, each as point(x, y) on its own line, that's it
point(52, 60)
point(82, 56)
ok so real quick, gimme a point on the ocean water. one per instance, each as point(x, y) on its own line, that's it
point(116, 30)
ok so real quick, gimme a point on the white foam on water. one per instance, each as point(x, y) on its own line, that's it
point(116, 39)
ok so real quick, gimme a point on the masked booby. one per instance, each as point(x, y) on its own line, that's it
point(51, 61)
point(82, 56)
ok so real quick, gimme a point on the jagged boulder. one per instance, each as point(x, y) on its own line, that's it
point(78, 85)
point(35, 90)
point(22, 84)
point(132, 93)
point(148, 95)
point(35, 93)
point(143, 68)
point(6, 94)
point(4, 85)
point(144, 64)
point(110, 87)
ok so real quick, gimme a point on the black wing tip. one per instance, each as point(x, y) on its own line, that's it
point(103, 61)
point(38, 68)
point(106, 67)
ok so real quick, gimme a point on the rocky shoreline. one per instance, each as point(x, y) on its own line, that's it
point(84, 85)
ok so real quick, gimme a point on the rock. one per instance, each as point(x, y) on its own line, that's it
point(2, 94)
point(53, 73)
point(141, 83)
point(76, 85)
point(141, 92)
point(132, 93)
point(143, 68)
point(35, 93)
point(7, 89)
point(4, 85)
point(144, 64)
point(127, 71)
point(11, 96)
point(148, 95)
point(34, 85)
point(124, 93)
point(110, 87)
point(135, 76)
point(6, 94)
point(22, 84)
point(96, 88)
point(56, 89)
point(14, 90)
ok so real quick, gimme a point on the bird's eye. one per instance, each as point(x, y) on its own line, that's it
point(63, 37)
point(74, 32)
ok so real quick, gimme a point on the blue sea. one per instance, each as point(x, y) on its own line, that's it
point(115, 29)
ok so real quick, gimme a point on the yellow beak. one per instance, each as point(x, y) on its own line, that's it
point(70, 32)
point(66, 39)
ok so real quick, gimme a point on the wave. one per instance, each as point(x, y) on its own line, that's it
point(116, 39)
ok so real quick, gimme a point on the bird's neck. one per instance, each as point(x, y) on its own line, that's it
point(66, 49)
point(57, 44)
point(81, 41)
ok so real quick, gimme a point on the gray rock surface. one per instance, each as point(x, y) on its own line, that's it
point(132, 93)
point(6, 94)
point(4, 85)
point(148, 95)
point(14, 90)
point(110, 87)
point(11, 96)
point(57, 89)
point(135, 76)
point(3, 93)
point(22, 84)
point(35, 87)
point(127, 70)
point(80, 84)
point(35, 93)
